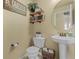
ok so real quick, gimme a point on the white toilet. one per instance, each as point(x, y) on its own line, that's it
point(33, 51)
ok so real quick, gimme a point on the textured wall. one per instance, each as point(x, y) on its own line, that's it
point(16, 29)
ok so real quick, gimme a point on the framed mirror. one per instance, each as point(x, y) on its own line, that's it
point(63, 15)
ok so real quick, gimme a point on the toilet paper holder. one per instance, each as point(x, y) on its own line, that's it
point(14, 44)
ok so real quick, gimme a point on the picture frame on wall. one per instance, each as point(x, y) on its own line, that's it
point(15, 6)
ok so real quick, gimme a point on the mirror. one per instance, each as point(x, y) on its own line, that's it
point(63, 15)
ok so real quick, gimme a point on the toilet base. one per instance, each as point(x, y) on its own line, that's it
point(35, 58)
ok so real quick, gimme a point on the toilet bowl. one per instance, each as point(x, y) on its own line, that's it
point(33, 52)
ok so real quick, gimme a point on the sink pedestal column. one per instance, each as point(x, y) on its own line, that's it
point(62, 51)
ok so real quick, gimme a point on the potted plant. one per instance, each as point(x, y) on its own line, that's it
point(32, 7)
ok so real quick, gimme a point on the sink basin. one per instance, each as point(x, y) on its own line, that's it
point(63, 40)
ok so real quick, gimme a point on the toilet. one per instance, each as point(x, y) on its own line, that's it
point(38, 41)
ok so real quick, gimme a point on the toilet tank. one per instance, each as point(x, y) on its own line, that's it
point(39, 41)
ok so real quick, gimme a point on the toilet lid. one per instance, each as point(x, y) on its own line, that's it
point(32, 49)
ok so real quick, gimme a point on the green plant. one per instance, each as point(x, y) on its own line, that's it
point(32, 7)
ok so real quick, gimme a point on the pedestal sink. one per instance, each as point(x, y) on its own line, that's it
point(63, 42)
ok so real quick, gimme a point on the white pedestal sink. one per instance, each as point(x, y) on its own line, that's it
point(63, 42)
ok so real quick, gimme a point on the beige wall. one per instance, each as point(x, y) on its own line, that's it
point(16, 29)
